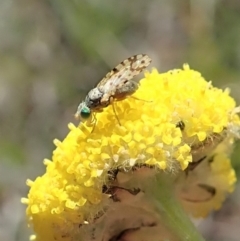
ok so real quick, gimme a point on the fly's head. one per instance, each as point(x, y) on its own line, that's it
point(83, 111)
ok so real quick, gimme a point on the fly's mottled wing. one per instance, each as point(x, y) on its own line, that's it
point(123, 73)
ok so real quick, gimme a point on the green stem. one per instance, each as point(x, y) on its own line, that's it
point(161, 192)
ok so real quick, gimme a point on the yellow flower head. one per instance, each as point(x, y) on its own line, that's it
point(175, 118)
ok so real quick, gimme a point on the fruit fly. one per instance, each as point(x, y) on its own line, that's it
point(116, 85)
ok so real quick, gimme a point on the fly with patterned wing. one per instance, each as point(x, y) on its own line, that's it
point(116, 85)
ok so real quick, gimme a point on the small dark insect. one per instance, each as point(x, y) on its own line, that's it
point(180, 125)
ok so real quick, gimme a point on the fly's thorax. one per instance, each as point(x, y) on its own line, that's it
point(105, 100)
point(93, 98)
point(83, 111)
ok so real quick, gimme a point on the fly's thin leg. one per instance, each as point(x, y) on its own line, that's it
point(94, 122)
point(114, 110)
point(136, 98)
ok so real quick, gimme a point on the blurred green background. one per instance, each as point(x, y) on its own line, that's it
point(53, 51)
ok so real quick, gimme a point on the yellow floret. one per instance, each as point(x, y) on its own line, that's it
point(70, 192)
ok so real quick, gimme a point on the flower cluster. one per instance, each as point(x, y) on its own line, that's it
point(177, 122)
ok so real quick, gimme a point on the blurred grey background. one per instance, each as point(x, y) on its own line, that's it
point(52, 52)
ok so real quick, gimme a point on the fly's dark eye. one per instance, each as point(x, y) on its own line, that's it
point(85, 112)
